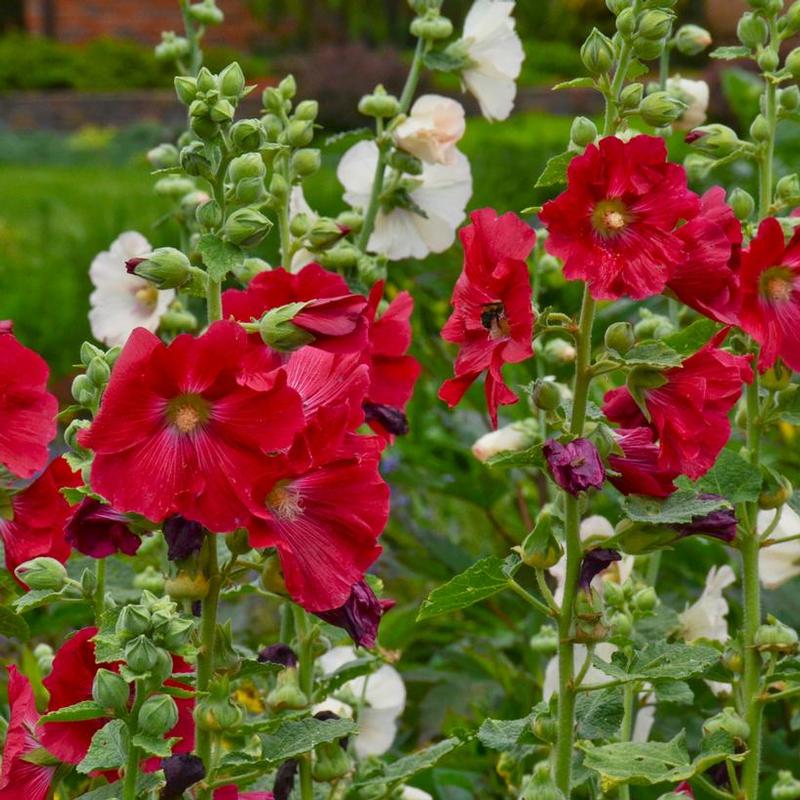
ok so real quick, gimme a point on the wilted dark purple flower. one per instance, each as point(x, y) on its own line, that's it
point(284, 779)
point(575, 466)
point(278, 654)
point(390, 418)
point(181, 772)
point(323, 716)
point(594, 562)
point(183, 537)
point(97, 530)
point(360, 615)
point(719, 524)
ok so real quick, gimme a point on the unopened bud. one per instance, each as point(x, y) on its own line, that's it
point(647, 49)
point(787, 787)
point(249, 165)
point(165, 267)
point(559, 351)
point(431, 27)
point(792, 17)
point(247, 135)
point(541, 549)
point(209, 214)
point(620, 337)
point(83, 390)
point(776, 638)
point(222, 111)
point(307, 110)
point(626, 22)
point(752, 30)
point(790, 98)
point(158, 715)
point(42, 573)
point(324, 233)
point(692, 39)
point(793, 63)
point(788, 187)
point(655, 24)
point(777, 494)
point(288, 87)
point(299, 133)
point(760, 129)
point(583, 131)
point(306, 161)
point(141, 654)
point(163, 156)
point(171, 47)
point(645, 599)
point(742, 203)
point(331, 762)
point(176, 633)
point(661, 108)
point(98, 372)
point(274, 102)
point(597, 53)
point(132, 621)
point(379, 104)
point(246, 227)
point(278, 332)
point(287, 693)
point(631, 96)
point(545, 395)
point(729, 722)
point(110, 690)
point(768, 60)
point(187, 586)
point(206, 13)
point(511, 438)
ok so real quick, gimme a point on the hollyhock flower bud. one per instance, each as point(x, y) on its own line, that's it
point(379, 104)
point(583, 132)
point(325, 233)
point(575, 466)
point(631, 96)
point(626, 22)
point(249, 165)
point(695, 94)
point(715, 140)
point(545, 395)
point(141, 654)
point(742, 203)
point(231, 81)
point(158, 714)
point(247, 135)
point(593, 563)
point(760, 128)
point(246, 227)
point(183, 537)
point(620, 337)
point(661, 108)
point(42, 573)
point(597, 53)
point(287, 693)
point(165, 267)
point(729, 722)
point(788, 186)
point(540, 785)
point(776, 637)
point(432, 129)
point(789, 98)
point(787, 787)
point(692, 39)
point(175, 634)
point(206, 13)
point(541, 549)
point(284, 779)
point(306, 161)
point(186, 89)
point(96, 530)
point(110, 690)
point(655, 23)
point(171, 47)
point(331, 762)
point(307, 110)
point(181, 772)
point(752, 30)
point(514, 437)
point(187, 585)
point(299, 133)
point(559, 352)
point(359, 616)
point(132, 621)
point(163, 156)
point(278, 654)
point(278, 331)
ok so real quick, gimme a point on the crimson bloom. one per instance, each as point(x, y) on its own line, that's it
point(770, 279)
point(707, 278)
point(97, 530)
point(492, 318)
point(231, 792)
point(179, 432)
point(27, 409)
point(638, 468)
point(614, 226)
point(70, 682)
point(689, 411)
point(322, 505)
point(392, 372)
point(331, 314)
point(575, 466)
point(360, 615)
point(20, 778)
point(39, 514)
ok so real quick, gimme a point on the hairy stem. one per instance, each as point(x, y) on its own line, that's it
point(134, 754)
point(306, 679)
point(626, 730)
point(100, 589)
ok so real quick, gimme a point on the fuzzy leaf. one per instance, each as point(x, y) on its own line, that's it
point(219, 257)
point(251, 668)
point(155, 745)
point(690, 339)
point(503, 734)
point(36, 598)
point(651, 354)
point(483, 579)
point(575, 83)
point(660, 661)
point(86, 709)
point(600, 713)
point(410, 765)
point(345, 673)
point(530, 457)
point(13, 626)
point(735, 479)
point(683, 506)
point(730, 53)
point(146, 785)
point(442, 61)
point(675, 692)
point(108, 750)
point(302, 735)
point(555, 171)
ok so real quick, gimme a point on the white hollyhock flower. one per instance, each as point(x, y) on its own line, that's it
point(384, 699)
point(412, 793)
point(516, 436)
point(695, 94)
point(779, 562)
point(707, 618)
point(299, 205)
point(432, 129)
point(121, 302)
point(495, 54)
point(442, 193)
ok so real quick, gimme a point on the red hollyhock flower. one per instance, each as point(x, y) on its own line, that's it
point(96, 530)
point(770, 277)
point(614, 226)
point(39, 515)
point(332, 314)
point(689, 412)
point(393, 373)
point(707, 279)
point(27, 410)
point(179, 432)
point(492, 319)
point(231, 792)
point(638, 468)
point(70, 682)
point(575, 466)
point(323, 506)
point(20, 778)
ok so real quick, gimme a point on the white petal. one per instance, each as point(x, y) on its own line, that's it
point(412, 793)
point(299, 205)
point(385, 689)
point(495, 93)
point(356, 172)
point(336, 657)
point(644, 723)
point(596, 527)
point(336, 706)
point(781, 562)
point(707, 618)
point(397, 236)
point(377, 729)
point(593, 675)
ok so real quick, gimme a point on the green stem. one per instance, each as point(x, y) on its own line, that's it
point(612, 99)
point(134, 754)
point(566, 646)
point(529, 598)
point(626, 729)
point(205, 656)
point(100, 589)
point(663, 67)
point(305, 641)
point(214, 300)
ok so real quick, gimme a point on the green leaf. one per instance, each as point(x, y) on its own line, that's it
point(660, 661)
point(13, 626)
point(108, 750)
point(690, 339)
point(483, 579)
point(36, 598)
point(575, 83)
point(651, 354)
point(676, 692)
point(647, 763)
point(730, 53)
point(442, 61)
point(530, 457)
point(679, 508)
point(219, 257)
point(302, 735)
point(636, 70)
point(600, 713)
point(146, 785)
point(86, 709)
point(555, 170)
point(504, 734)
point(345, 673)
point(735, 479)
point(155, 745)
point(410, 765)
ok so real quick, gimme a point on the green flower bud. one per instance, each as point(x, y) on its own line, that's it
point(250, 268)
point(238, 542)
point(222, 111)
point(112, 354)
point(545, 727)
point(405, 162)
point(788, 186)
point(141, 654)
point(132, 621)
point(776, 637)
point(187, 586)
point(288, 87)
point(306, 162)
point(250, 191)
point(110, 690)
point(278, 331)
point(149, 578)
point(661, 108)
point(42, 573)
point(777, 377)
point(163, 156)
point(545, 395)
point(83, 390)
point(205, 128)
point(789, 98)
point(88, 352)
point(206, 80)
point(209, 214)
point(732, 660)
point(273, 101)
point(792, 17)
point(72, 431)
point(729, 722)
point(653, 326)
point(299, 225)
point(621, 624)
point(431, 27)
point(645, 599)
point(206, 13)
point(626, 22)
point(655, 24)
point(647, 49)
point(692, 39)
point(231, 81)
point(545, 640)
point(742, 203)
point(217, 712)
point(342, 257)
point(379, 104)
point(279, 187)
point(541, 549)
point(249, 165)
point(787, 787)
point(776, 494)
point(247, 135)
point(299, 133)
point(331, 762)
point(793, 63)
point(307, 110)
point(174, 186)
point(583, 131)
point(352, 220)
point(98, 372)
point(324, 234)
point(759, 129)
point(613, 593)
point(158, 714)
point(176, 633)
point(195, 162)
point(598, 53)
point(617, 6)
point(620, 337)
point(171, 47)
point(246, 227)
point(540, 785)
point(165, 267)
point(287, 693)
point(768, 60)
point(752, 30)
point(559, 352)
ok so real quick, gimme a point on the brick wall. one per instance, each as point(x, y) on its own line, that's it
point(141, 20)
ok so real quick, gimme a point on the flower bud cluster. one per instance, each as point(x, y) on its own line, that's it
point(211, 99)
point(88, 386)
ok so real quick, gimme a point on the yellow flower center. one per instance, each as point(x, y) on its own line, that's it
point(777, 284)
point(610, 217)
point(147, 297)
point(284, 502)
point(188, 412)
